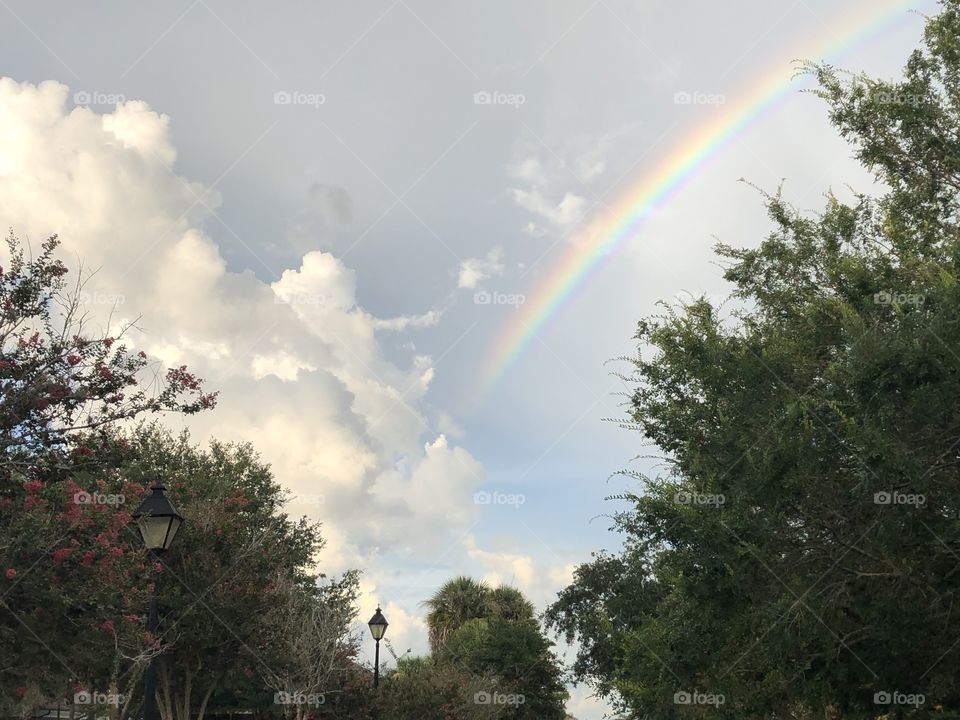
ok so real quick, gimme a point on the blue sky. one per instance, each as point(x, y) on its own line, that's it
point(317, 261)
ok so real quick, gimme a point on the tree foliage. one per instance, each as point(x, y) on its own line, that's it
point(798, 558)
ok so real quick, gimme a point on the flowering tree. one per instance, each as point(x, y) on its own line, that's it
point(243, 612)
point(68, 571)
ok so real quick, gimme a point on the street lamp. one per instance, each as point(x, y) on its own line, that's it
point(378, 628)
point(158, 522)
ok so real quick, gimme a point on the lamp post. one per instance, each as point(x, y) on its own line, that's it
point(158, 522)
point(378, 628)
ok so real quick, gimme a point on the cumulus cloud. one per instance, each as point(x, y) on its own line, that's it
point(475, 270)
point(297, 358)
point(562, 214)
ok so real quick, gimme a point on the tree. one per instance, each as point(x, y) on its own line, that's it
point(421, 689)
point(799, 557)
point(508, 603)
point(457, 601)
point(523, 673)
point(244, 603)
point(309, 648)
point(492, 633)
point(61, 560)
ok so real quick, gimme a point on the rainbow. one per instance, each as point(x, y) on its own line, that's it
point(583, 258)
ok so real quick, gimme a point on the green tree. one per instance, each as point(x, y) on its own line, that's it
point(421, 689)
point(799, 556)
point(518, 659)
point(493, 633)
point(457, 601)
point(509, 603)
point(65, 573)
point(244, 603)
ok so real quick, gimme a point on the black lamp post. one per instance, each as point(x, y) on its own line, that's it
point(378, 628)
point(158, 521)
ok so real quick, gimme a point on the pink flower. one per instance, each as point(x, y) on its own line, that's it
point(11, 573)
point(107, 626)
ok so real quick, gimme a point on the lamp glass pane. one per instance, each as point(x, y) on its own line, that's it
point(378, 631)
point(154, 531)
point(174, 526)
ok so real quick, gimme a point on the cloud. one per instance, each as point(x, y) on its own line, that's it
point(404, 322)
point(547, 169)
point(563, 214)
point(475, 270)
point(333, 201)
point(296, 356)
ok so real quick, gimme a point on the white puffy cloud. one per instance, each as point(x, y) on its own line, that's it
point(475, 270)
point(296, 357)
point(563, 214)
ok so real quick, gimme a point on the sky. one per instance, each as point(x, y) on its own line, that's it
point(345, 215)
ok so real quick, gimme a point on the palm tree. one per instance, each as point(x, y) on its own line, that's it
point(508, 603)
point(457, 601)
